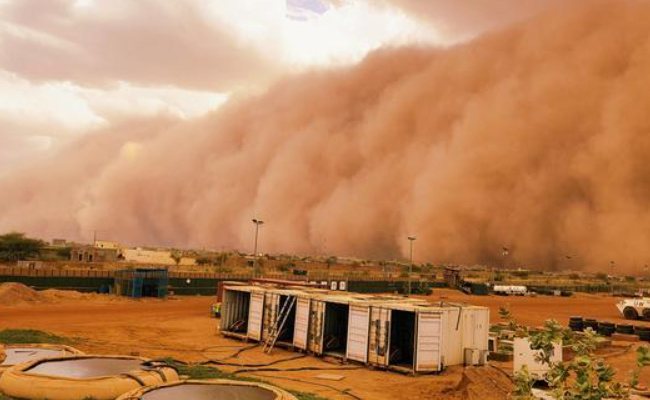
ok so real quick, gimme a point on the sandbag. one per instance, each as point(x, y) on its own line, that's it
point(54, 350)
point(187, 390)
point(81, 377)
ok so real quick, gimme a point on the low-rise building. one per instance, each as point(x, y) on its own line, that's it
point(87, 253)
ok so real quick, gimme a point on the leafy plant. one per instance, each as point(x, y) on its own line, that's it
point(583, 378)
point(523, 385)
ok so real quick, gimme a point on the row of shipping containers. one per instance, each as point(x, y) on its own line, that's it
point(383, 331)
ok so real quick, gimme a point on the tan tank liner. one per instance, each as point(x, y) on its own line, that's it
point(81, 377)
point(215, 389)
point(14, 354)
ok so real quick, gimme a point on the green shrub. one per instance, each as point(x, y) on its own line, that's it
point(24, 336)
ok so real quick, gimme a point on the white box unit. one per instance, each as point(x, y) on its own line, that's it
point(475, 357)
point(524, 355)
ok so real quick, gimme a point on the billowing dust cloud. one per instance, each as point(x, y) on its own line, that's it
point(536, 138)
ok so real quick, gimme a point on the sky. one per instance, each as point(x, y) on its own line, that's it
point(347, 125)
point(71, 67)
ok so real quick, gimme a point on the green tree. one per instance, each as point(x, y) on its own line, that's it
point(177, 257)
point(16, 246)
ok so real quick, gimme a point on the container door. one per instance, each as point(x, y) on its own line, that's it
point(428, 343)
point(271, 310)
point(255, 313)
point(358, 332)
point(476, 329)
point(379, 336)
point(317, 326)
point(301, 330)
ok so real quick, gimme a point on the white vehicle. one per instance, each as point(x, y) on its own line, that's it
point(635, 308)
point(504, 290)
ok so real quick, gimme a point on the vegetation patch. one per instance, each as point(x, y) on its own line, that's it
point(30, 336)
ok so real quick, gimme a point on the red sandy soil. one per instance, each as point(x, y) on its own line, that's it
point(533, 311)
point(181, 328)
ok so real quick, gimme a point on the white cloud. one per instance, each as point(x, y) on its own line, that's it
point(71, 67)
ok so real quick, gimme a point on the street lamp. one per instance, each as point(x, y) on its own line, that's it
point(257, 223)
point(411, 240)
point(612, 264)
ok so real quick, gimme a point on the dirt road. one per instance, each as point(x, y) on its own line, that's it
point(533, 311)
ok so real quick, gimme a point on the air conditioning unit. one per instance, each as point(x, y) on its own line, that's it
point(475, 357)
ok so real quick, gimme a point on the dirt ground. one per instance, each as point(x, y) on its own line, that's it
point(533, 311)
point(182, 328)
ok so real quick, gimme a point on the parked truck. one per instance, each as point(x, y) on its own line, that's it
point(635, 308)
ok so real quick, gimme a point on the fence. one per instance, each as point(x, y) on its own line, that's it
point(180, 283)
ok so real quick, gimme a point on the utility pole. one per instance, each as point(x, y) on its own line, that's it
point(411, 240)
point(612, 264)
point(94, 238)
point(257, 223)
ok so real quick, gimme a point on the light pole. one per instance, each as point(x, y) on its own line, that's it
point(411, 240)
point(612, 264)
point(257, 223)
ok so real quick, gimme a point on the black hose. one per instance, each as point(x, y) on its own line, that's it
point(345, 392)
point(296, 369)
point(234, 355)
point(268, 364)
point(507, 375)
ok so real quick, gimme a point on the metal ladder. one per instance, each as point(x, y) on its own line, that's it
point(276, 329)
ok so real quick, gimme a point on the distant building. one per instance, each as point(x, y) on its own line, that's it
point(59, 242)
point(155, 257)
point(452, 277)
point(93, 254)
point(105, 244)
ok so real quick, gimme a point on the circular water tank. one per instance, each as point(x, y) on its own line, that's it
point(83, 377)
point(216, 389)
point(11, 355)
